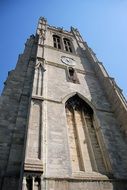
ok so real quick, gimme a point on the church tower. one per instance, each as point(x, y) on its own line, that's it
point(63, 119)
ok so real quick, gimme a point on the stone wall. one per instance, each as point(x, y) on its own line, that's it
point(73, 184)
point(14, 103)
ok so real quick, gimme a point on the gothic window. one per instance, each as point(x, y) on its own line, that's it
point(67, 45)
point(38, 79)
point(57, 41)
point(33, 182)
point(72, 76)
point(85, 152)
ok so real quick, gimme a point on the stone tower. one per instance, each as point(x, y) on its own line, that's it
point(63, 120)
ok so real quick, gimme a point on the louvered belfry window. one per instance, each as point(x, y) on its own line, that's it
point(57, 41)
point(67, 45)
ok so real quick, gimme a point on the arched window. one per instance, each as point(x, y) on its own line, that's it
point(67, 45)
point(32, 182)
point(56, 41)
point(85, 152)
point(38, 79)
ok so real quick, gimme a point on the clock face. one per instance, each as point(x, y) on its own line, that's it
point(68, 60)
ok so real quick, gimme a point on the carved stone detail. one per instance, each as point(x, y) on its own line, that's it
point(38, 79)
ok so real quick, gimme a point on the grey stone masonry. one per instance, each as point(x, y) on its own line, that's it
point(63, 120)
point(14, 103)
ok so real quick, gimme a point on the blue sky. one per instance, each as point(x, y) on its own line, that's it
point(102, 23)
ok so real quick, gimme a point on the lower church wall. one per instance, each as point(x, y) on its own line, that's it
point(12, 183)
point(59, 184)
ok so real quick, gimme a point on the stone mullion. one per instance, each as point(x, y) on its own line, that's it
point(36, 185)
point(33, 178)
point(91, 152)
point(85, 159)
point(72, 141)
point(42, 183)
point(24, 184)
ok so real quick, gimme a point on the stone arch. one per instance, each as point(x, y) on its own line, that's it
point(65, 98)
point(85, 151)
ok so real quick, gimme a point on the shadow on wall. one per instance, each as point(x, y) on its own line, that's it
point(115, 142)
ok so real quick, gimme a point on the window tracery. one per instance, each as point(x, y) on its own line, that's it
point(62, 43)
point(85, 151)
